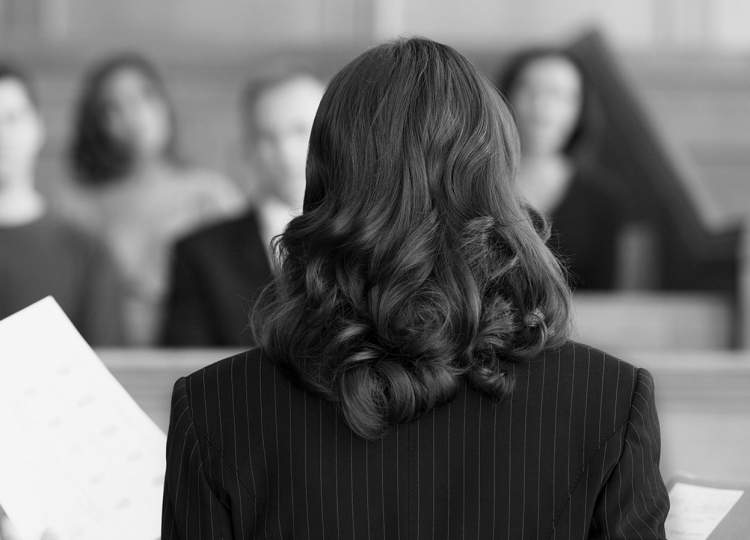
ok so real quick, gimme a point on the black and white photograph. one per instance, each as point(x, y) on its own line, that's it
point(374, 269)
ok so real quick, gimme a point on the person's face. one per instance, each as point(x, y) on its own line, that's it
point(547, 98)
point(21, 131)
point(282, 119)
point(136, 114)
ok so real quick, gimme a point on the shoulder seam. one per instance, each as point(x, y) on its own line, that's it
point(585, 466)
point(208, 439)
point(225, 460)
point(594, 452)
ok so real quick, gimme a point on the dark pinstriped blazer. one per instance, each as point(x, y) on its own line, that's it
point(573, 454)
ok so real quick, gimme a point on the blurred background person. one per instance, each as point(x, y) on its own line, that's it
point(218, 271)
point(40, 253)
point(557, 117)
point(138, 193)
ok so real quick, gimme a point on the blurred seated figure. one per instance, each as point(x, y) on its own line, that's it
point(219, 270)
point(40, 253)
point(136, 192)
point(557, 120)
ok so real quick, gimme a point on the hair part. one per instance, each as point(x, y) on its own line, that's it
point(415, 262)
point(97, 157)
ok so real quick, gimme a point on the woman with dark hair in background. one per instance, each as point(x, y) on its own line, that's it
point(137, 192)
point(219, 270)
point(42, 254)
point(414, 375)
point(557, 118)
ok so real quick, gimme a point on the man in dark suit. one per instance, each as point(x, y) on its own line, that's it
point(219, 271)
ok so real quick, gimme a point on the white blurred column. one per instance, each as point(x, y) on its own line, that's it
point(729, 23)
point(388, 19)
point(683, 24)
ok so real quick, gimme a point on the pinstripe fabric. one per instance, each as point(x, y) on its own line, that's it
point(574, 454)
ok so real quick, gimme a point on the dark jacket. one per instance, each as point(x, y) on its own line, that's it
point(51, 257)
point(217, 274)
point(573, 454)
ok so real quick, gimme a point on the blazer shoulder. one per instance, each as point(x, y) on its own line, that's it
point(211, 389)
point(607, 380)
point(221, 372)
point(573, 353)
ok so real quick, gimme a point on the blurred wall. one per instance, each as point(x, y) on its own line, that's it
point(633, 24)
point(688, 59)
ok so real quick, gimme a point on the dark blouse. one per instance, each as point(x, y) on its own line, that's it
point(586, 227)
point(51, 257)
point(573, 454)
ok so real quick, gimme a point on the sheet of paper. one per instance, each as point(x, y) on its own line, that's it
point(697, 510)
point(77, 454)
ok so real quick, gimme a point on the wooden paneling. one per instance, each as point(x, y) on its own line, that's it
point(653, 321)
point(632, 24)
point(486, 23)
point(106, 23)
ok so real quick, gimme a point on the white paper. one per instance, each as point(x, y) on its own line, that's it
point(697, 510)
point(77, 454)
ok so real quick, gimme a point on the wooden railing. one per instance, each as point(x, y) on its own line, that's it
point(654, 320)
point(703, 399)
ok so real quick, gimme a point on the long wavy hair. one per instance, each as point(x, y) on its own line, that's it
point(96, 156)
point(415, 263)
